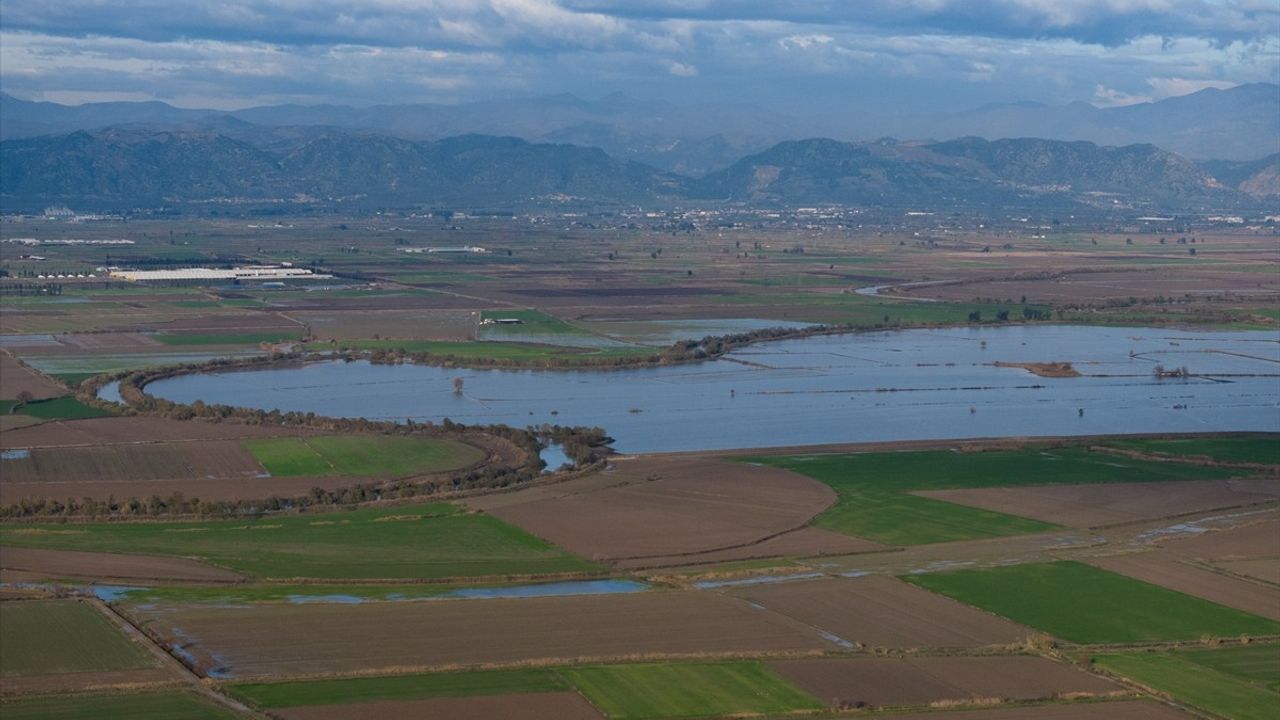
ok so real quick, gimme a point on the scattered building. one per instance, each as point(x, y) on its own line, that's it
point(459, 249)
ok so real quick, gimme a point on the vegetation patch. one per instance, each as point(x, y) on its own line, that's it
point(361, 455)
point(1264, 450)
point(874, 488)
point(49, 637)
point(60, 408)
point(115, 706)
point(532, 322)
point(677, 690)
point(1084, 604)
point(445, 543)
point(400, 687)
point(1191, 677)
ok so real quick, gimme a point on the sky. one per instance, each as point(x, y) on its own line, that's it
point(810, 55)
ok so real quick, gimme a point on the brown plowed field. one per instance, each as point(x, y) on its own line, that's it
point(1105, 504)
point(895, 682)
point(1255, 539)
point(15, 378)
point(673, 506)
point(1265, 569)
point(226, 324)
point(271, 640)
point(879, 611)
point(805, 542)
point(416, 324)
point(115, 430)
point(103, 342)
point(519, 706)
point(134, 462)
point(1167, 570)
point(203, 489)
point(78, 682)
point(1125, 710)
point(31, 562)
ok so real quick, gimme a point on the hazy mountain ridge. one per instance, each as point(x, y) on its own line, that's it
point(1242, 123)
point(139, 166)
point(225, 160)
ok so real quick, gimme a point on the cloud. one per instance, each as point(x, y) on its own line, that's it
point(680, 69)
point(955, 54)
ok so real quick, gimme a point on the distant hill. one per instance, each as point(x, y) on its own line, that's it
point(135, 166)
point(225, 161)
point(1241, 123)
point(969, 171)
point(1259, 178)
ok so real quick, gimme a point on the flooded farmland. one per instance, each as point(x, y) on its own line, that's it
point(899, 385)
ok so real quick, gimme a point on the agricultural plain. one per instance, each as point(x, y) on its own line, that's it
point(938, 580)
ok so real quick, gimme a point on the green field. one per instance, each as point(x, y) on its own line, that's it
point(114, 706)
point(1258, 664)
point(534, 322)
point(487, 350)
point(224, 338)
point(423, 541)
point(1198, 683)
point(1083, 604)
point(1265, 450)
point(59, 408)
point(874, 500)
point(401, 687)
point(361, 455)
point(49, 637)
point(677, 690)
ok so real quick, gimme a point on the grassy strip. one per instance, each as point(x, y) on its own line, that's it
point(1265, 450)
point(402, 687)
point(874, 500)
point(1084, 604)
point(223, 338)
point(48, 637)
point(60, 408)
point(360, 455)
point(1258, 664)
point(677, 690)
point(424, 541)
point(112, 706)
point(1190, 682)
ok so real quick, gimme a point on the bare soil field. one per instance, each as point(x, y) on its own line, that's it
point(1124, 710)
point(898, 682)
point(16, 378)
point(1244, 541)
point(517, 706)
point(418, 325)
point(805, 542)
point(224, 488)
point(31, 563)
point(137, 462)
point(84, 681)
point(124, 430)
point(1106, 504)
point(660, 507)
point(1167, 570)
point(1264, 569)
point(273, 640)
point(255, 322)
point(877, 611)
point(108, 342)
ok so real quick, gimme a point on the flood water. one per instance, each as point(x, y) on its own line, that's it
point(899, 385)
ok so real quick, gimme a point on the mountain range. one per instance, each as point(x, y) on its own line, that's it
point(1238, 124)
point(223, 161)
